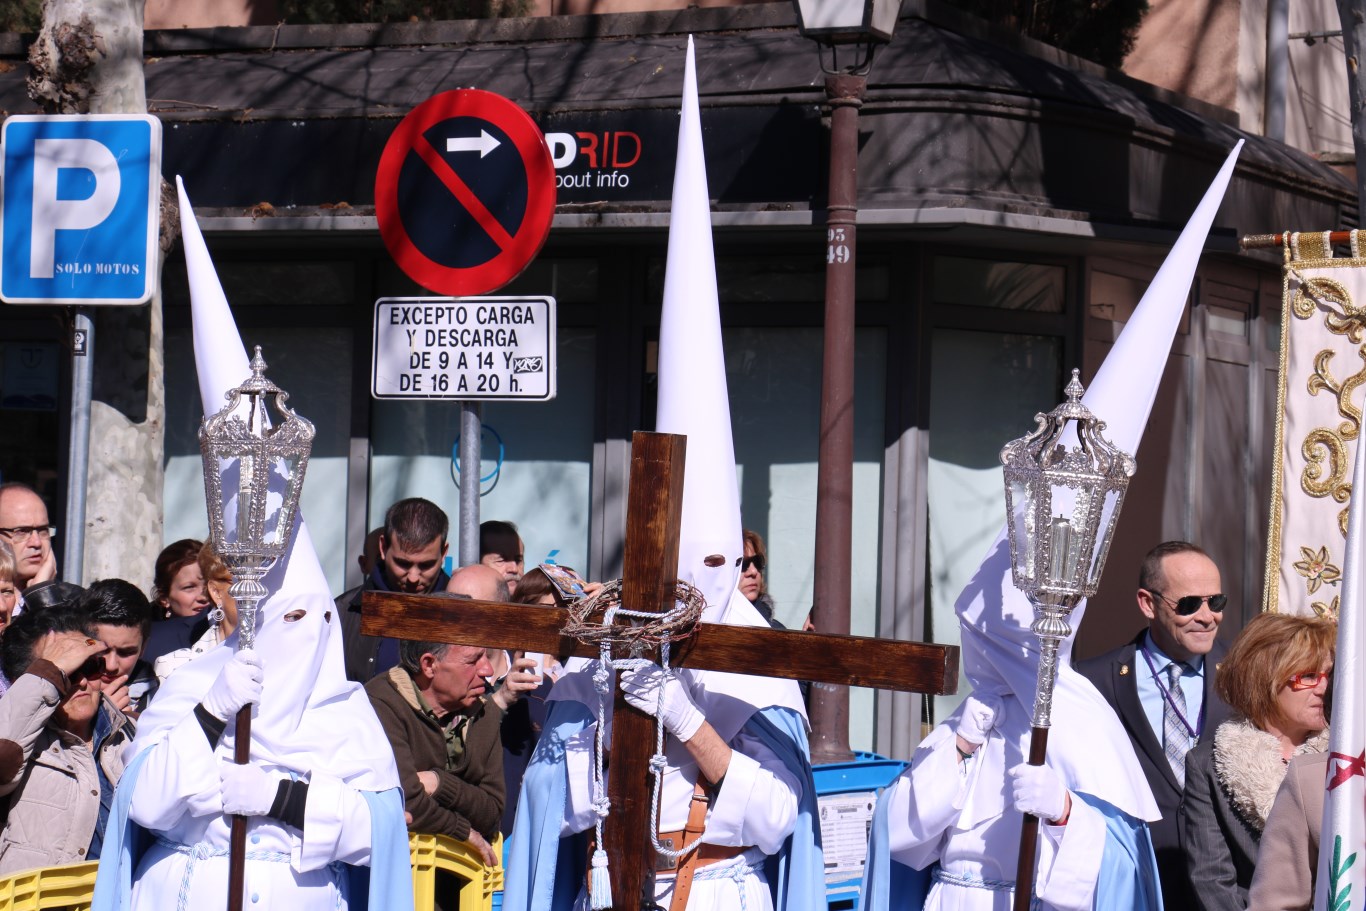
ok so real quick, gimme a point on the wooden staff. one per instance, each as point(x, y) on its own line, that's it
point(237, 833)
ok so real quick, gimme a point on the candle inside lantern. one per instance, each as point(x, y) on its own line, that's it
point(1060, 556)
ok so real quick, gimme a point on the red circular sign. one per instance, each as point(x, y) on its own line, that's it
point(465, 192)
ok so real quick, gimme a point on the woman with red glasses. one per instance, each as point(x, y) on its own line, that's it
point(1275, 679)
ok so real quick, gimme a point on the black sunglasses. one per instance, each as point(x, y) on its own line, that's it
point(1191, 603)
point(757, 561)
point(92, 668)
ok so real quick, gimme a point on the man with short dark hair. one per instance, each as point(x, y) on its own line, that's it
point(500, 547)
point(1161, 686)
point(445, 740)
point(412, 548)
point(24, 524)
point(122, 618)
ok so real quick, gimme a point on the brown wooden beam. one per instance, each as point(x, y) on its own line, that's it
point(920, 667)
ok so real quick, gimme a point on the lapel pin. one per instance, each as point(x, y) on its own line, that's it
point(1124, 670)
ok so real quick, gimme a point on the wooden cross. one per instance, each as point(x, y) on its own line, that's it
point(654, 509)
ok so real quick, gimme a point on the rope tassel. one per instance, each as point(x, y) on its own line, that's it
point(600, 883)
point(659, 630)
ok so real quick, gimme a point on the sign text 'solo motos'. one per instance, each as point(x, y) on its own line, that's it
point(471, 348)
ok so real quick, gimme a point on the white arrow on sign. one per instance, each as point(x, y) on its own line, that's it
point(483, 145)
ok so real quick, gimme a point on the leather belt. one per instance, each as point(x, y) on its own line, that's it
point(704, 853)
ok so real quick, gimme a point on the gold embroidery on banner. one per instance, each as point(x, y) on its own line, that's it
point(1324, 445)
point(1329, 610)
point(1312, 245)
point(1351, 322)
point(1317, 568)
point(1278, 575)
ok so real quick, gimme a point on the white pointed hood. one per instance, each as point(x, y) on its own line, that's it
point(311, 718)
point(694, 401)
point(1087, 744)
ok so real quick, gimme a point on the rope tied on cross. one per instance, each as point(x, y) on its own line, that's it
point(641, 631)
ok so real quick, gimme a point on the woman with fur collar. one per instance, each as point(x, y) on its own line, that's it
point(1275, 678)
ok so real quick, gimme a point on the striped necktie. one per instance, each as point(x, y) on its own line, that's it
point(1176, 738)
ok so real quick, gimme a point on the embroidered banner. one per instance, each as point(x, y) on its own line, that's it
point(1318, 422)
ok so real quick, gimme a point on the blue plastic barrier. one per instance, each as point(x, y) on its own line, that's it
point(846, 793)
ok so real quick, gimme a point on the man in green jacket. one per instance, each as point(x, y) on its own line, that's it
point(445, 740)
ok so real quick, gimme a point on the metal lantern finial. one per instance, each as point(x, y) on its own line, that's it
point(254, 466)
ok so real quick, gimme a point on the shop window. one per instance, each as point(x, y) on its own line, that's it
point(985, 390)
point(774, 380)
point(537, 459)
point(1227, 307)
point(314, 366)
point(29, 391)
point(965, 282)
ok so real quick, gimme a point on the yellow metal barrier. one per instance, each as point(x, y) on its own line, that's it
point(431, 853)
point(71, 887)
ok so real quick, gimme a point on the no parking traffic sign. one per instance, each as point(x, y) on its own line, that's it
point(465, 192)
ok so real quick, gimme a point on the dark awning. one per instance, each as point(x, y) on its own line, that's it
point(957, 120)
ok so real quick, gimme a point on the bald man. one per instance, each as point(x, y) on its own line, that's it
point(24, 525)
point(480, 582)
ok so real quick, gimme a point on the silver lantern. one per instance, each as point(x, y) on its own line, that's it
point(1064, 485)
point(254, 465)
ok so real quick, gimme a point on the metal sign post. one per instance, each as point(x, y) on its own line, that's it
point(471, 428)
point(78, 463)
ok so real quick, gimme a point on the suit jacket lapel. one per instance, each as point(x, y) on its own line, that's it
point(1131, 710)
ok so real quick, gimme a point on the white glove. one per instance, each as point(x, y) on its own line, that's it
point(650, 690)
point(979, 717)
point(1038, 791)
point(247, 789)
point(238, 684)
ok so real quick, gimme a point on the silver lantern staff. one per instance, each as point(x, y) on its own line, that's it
point(1064, 484)
point(254, 465)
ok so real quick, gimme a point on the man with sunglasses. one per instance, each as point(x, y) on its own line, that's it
point(24, 526)
point(1161, 686)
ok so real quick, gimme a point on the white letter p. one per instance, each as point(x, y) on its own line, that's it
point(51, 214)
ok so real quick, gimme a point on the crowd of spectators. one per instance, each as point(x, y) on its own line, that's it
point(81, 664)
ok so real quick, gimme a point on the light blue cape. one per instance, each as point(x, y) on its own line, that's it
point(545, 872)
point(386, 884)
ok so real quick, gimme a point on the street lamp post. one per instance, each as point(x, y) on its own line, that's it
point(848, 29)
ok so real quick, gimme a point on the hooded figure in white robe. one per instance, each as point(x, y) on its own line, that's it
point(763, 811)
point(947, 832)
point(326, 828)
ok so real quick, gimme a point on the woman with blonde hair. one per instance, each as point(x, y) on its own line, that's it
point(1275, 679)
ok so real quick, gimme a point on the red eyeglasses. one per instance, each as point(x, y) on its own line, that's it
point(1308, 680)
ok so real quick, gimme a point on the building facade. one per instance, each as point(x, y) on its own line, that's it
point(1014, 203)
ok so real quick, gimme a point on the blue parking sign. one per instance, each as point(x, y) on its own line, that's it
point(79, 203)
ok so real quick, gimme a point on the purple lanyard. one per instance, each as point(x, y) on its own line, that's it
point(1166, 695)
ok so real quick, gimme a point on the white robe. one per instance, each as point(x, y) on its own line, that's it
point(756, 806)
point(960, 815)
point(178, 797)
